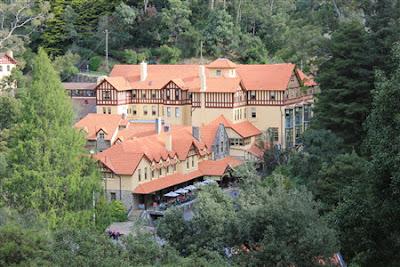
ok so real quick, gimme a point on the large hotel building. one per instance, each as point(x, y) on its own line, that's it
point(160, 129)
point(276, 98)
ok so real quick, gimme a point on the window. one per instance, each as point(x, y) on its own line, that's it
point(176, 94)
point(104, 110)
point(143, 94)
point(253, 95)
point(134, 94)
point(106, 95)
point(1, 68)
point(222, 146)
point(168, 94)
point(153, 110)
point(145, 110)
point(8, 67)
point(274, 134)
point(139, 175)
point(187, 163)
point(109, 110)
point(153, 94)
point(145, 173)
point(218, 73)
point(177, 112)
point(253, 113)
point(160, 172)
point(152, 173)
point(113, 196)
point(134, 112)
point(272, 95)
point(101, 135)
point(168, 112)
point(240, 114)
point(192, 161)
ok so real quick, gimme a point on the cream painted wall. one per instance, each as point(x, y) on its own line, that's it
point(4, 71)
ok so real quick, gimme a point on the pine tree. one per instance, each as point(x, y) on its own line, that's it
point(346, 80)
point(48, 171)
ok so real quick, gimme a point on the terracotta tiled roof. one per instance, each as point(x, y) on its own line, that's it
point(153, 147)
point(256, 151)
point(72, 86)
point(244, 129)
point(137, 130)
point(221, 63)
point(266, 76)
point(93, 122)
point(6, 59)
point(253, 77)
point(308, 81)
point(218, 167)
point(165, 182)
point(119, 83)
point(208, 133)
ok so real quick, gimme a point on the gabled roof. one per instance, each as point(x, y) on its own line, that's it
point(153, 147)
point(119, 83)
point(221, 63)
point(93, 122)
point(307, 81)
point(244, 129)
point(6, 59)
point(218, 167)
point(252, 76)
point(256, 151)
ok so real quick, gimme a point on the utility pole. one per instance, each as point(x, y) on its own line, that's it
point(201, 52)
point(107, 51)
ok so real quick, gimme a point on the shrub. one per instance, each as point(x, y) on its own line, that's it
point(95, 62)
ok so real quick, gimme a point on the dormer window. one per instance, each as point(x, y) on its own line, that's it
point(218, 73)
point(101, 135)
point(106, 95)
point(252, 95)
point(8, 68)
point(272, 95)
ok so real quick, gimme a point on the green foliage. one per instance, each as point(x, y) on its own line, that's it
point(130, 56)
point(66, 65)
point(95, 63)
point(109, 212)
point(10, 112)
point(346, 80)
point(48, 171)
point(169, 55)
point(281, 225)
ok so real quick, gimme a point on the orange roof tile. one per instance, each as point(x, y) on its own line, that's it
point(253, 77)
point(165, 182)
point(137, 130)
point(6, 59)
point(153, 147)
point(256, 151)
point(93, 122)
point(244, 129)
point(307, 81)
point(218, 167)
point(119, 83)
point(221, 63)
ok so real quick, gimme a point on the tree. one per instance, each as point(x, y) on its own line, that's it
point(18, 19)
point(169, 55)
point(346, 81)
point(218, 33)
point(48, 170)
point(383, 143)
point(176, 18)
point(280, 226)
point(66, 65)
point(11, 110)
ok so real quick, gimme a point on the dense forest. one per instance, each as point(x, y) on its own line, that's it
point(340, 192)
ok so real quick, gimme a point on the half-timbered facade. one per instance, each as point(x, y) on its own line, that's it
point(265, 95)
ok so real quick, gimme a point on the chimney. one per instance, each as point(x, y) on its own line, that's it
point(196, 132)
point(143, 71)
point(158, 125)
point(10, 53)
point(202, 75)
point(168, 141)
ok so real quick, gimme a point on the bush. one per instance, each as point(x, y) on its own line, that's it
point(95, 62)
point(130, 56)
point(109, 212)
point(169, 55)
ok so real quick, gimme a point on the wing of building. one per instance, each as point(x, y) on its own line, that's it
point(276, 98)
